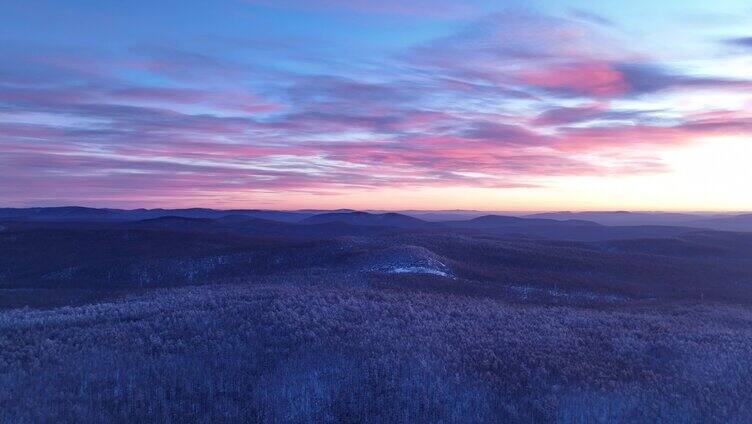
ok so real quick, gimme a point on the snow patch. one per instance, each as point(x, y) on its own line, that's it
point(406, 259)
point(418, 270)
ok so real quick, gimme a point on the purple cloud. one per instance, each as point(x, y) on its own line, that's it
point(745, 42)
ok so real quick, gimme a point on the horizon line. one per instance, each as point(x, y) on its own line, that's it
point(510, 211)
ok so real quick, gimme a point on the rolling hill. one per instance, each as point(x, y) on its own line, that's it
point(369, 219)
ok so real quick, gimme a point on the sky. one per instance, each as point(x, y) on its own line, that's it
point(366, 104)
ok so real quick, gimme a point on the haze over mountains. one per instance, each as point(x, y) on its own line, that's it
point(404, 219)
point(708, 220)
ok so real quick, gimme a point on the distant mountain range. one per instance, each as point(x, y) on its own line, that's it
point(491, 252)
point(74, 213)
point(495, 221)
point(727, 222)
point(370, 219)
point(557, 225)
point(623, 217)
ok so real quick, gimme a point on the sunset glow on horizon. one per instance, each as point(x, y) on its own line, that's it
point(388, 105)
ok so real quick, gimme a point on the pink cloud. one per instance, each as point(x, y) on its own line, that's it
point(598, 79)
